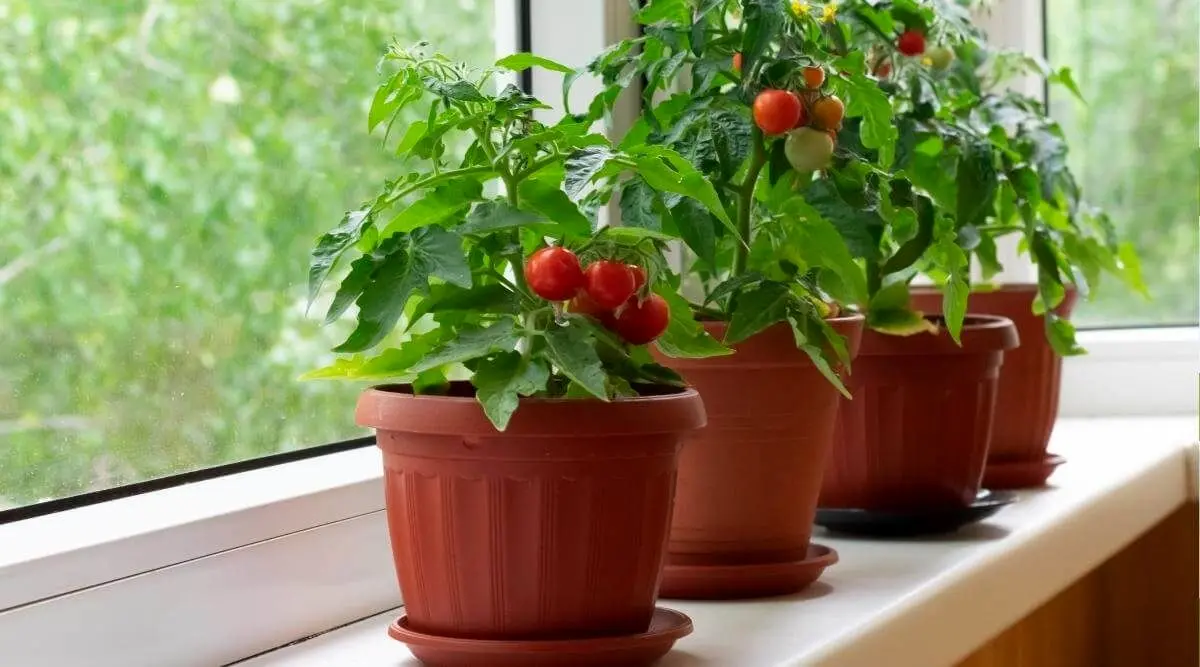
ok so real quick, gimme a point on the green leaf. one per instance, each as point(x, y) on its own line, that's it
point(391, 363)
point(546, 197)
point(912, 250)
point(1131, 269)
point(685, 338)
point(414, 133)
point(519, 62)
point(581, 167)
point(501, 380)
point(977, 184)
point(497, 214)
point(459, 90)
point(494, 298)
point(954, 305)
point(899, 322)
point(1064, 78)
point(762, 22)
point(817, 243)
point(1061, 335)
point(359, 277)
point(734, 284)
point(814, 343)
point(865, 99)
point(390, 97)
point(673, 11)
point(426, 252)
point(698, 229)
point(635, 234)
point(639, 205)
point(859, 228)
point(471, 343)
point(668, 171)
point(436, 206)
point(573, 351)
point(332, 244)
point(758, 309)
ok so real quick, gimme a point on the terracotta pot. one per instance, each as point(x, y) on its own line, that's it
point(916, 433)
point(555, 528)
point(1027, 399)
point(748, 482)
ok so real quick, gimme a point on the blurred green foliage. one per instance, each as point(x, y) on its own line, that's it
point(1133, 144)
point(164, 168)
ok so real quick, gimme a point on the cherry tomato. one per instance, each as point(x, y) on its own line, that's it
point(808, 149)
point(608, 283)
point(737, 62)
point(777, 111)
point(813, 77)
point(639, 276)
point(641, 322)
point(911, 43)
point(827, 112)
point(584, 305)
point(940, 57)
point(553, 273)
point(884, 69)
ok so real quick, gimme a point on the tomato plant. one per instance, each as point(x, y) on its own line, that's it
point(456, 283)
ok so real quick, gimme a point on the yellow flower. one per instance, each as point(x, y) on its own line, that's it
point(800, 8)
point(829, 13)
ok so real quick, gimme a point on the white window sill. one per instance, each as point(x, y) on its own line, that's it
point(879, 603)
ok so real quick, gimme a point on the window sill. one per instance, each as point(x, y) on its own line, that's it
point(883, 597)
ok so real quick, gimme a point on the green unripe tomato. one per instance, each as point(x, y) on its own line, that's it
point(940, 57)
point(808, 149)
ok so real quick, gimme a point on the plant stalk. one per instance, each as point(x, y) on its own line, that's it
point(758, 158)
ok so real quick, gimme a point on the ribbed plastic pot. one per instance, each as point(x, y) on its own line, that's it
point(749, 481)
point(1027, 398)
point(555, 528)
point(917, 431)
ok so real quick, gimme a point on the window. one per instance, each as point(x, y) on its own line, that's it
point(163, 172)
point(1133, 143)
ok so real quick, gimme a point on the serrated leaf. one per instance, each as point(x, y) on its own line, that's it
point(859, 228)
point(865, 99)
point(459, 91)
point(977, 184)
point(698, 229)
point(426, 252)
point(332, 244)
point(500, 381)
point(813, 344)
point(519, 62)
point(685, 338)
point(815, 242)
point(471, 343)
point(638, 205)
point(757, 309)
point(734, 284)
point(413, 134)
point(954, 305)
point(388, 364)
point(668, 171)
point(581, 167)
point(436, 206)
point(495, 215)
point(1061, 335)
point(359, 277)
point(573, 352)
point(547, 198)
point(492, 299)
point(762, 22)
point(673, 11)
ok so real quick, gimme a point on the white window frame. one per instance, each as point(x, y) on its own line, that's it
point(217, 571)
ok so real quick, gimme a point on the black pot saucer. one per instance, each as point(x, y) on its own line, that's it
point(914, 522)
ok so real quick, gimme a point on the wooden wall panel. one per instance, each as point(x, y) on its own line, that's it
point(1139, 609)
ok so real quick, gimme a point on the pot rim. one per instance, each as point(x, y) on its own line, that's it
point(389, 408)
point(980, 334)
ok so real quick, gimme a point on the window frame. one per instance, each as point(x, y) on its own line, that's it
point(271, 538)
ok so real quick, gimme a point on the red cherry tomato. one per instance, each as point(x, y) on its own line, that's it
point(641, 322)
point(777, 111)
point(608, 283)
point(553, 273)
point(584, 305)
point(639, 276)
point(911, 43)
point(737, 62)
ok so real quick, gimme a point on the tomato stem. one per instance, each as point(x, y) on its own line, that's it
point(758, 158)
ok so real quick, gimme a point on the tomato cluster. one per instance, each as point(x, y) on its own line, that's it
point(607, 290)
point(810, 118)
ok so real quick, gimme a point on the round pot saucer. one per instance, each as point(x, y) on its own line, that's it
point(730, 582)
point(1020, 474)
point(912, 523)
point(636, 650)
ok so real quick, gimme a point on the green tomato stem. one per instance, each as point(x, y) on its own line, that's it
point(758, 158)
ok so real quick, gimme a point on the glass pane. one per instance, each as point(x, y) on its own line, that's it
point(164, 169)
point(1133, 144)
